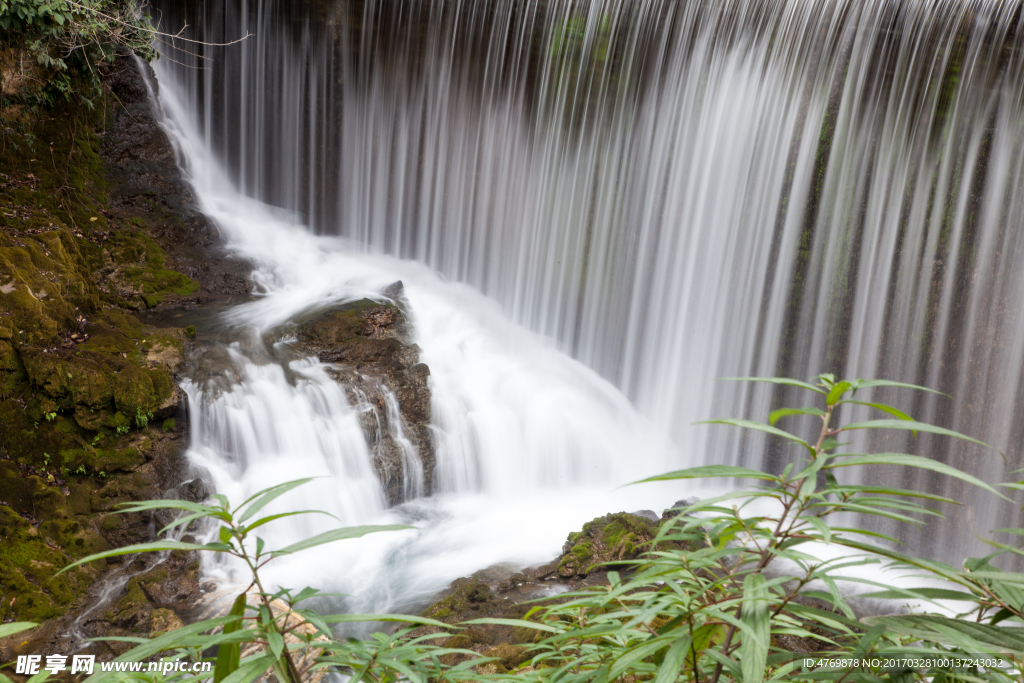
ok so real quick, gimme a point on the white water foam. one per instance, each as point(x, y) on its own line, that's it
point(530, 443)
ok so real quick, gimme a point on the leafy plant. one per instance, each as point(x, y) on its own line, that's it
point(273, 620)
point(142, 419)
point(746, 580)
point(732, 587)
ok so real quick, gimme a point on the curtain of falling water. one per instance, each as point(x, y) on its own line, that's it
point(675, 191)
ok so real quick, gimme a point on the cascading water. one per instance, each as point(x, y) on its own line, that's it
point(672, 192)
point(529, 442)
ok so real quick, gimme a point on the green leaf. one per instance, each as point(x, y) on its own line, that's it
point(155, 546)
point(266, 520)
point(337, 535)
point(268, 495)
point(907, 460)
point(775, 380)
point(250, 668)
point(142, 505)
point(913, 425)
point(969, 635)
point(884, 408)
point(672, 664)
point(276, 642)
point(636, 653)
point(15, 627)
point(837, 392)
point(760, 427)
point(514, 622)
point(756, 616)
point(710, 471)
point(228, 654)
point(400, 618)
point(868, 383)
point(776, 415)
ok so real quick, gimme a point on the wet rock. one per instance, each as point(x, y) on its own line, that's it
point(369, 345)
point(646, 514)
point(677, 508)
point(148, 188)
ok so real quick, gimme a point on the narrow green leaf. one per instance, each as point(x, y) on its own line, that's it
point(155, 546)
point(775, 380)
point(710, 471)
point(928, 594)
point(15, 627)
point(337, 535)
point(969, 635)
point(400, 618)
point(907, 460)
point(185, 520)
point(514, 622)
point(266, 520)
point(672, 664)
point(270, 495)
point(868, 383)
point(777, 415)
point(760, 427)
point(912, 425)
point(276, 642)
point(634, 654)
point(144, 505)
point(884, 408)
point(250, 668)
point(756, 616)
point(228, 654)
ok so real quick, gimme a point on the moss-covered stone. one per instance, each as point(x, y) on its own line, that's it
point(80, 374)
point(29, 561)
point(612, 538)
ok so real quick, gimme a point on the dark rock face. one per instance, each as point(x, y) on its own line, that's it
point(148, 184)
point(368, 342)
point(96, 224)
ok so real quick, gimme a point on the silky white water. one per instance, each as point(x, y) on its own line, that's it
point(530, 443)
point(666, 192)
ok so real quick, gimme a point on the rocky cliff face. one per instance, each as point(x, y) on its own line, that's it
point(96, 226)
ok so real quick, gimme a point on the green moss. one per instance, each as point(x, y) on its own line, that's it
point(65, 262)
point(28, 561)
point(112, 522)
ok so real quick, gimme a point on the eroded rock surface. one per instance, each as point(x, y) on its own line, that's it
point(369, 345)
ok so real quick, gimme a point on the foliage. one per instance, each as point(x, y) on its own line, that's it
point(737, 583)
point(733, 610)
point(69, 40)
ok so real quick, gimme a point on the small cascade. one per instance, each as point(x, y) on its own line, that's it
point(527, 441)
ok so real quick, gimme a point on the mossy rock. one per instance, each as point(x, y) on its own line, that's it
point(509, 655)
point(163, 621)
point(29, 560)
point(609, 539)
point(31, 494)
point(133, 610)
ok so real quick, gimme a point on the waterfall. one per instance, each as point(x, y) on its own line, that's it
point(670, 192)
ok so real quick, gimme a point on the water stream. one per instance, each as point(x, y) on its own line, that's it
point(598, 208)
